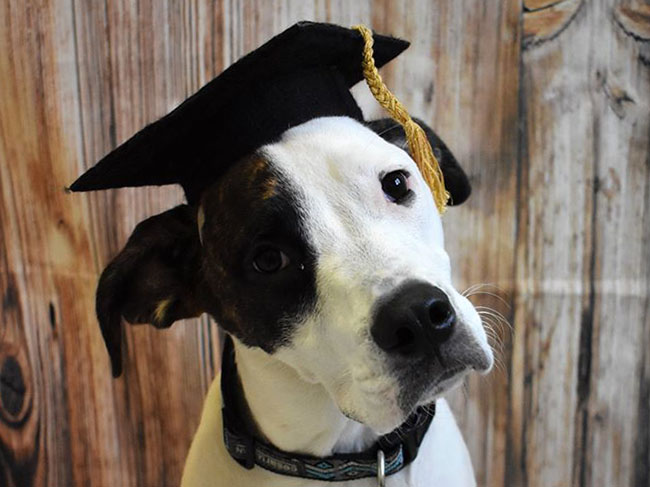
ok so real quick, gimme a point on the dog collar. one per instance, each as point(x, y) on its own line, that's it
point(399, 447)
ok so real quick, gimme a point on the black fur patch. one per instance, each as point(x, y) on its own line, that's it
point(250, 207)
point(165, 273)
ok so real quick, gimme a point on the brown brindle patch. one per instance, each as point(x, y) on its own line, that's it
point(269, 191)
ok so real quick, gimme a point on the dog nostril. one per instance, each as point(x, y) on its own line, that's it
point(442, 318)
point(440, 312)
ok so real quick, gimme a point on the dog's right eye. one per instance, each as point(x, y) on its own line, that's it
point(269, 260)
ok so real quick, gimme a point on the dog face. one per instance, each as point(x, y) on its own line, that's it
point(324, 249)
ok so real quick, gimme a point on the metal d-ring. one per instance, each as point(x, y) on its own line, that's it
point(381, 469)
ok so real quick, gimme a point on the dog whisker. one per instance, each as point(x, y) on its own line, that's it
point(498, 317)
point(500, 298)
point(490, 333)
point(487, 314)
point(500, 368)
point(491, 329)
point(493, 311)
point(499, 364)
point(471, 289)
point(496, 343)
point(482, 285)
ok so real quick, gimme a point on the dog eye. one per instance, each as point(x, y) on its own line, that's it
point(395, 186)
point(270, 260)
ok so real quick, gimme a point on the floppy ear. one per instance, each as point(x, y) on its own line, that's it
point(155, 279)
point(456, 180)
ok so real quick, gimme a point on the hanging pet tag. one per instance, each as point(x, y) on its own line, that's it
point(381, 469)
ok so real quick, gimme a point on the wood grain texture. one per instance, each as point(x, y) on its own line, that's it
point(545, 103)
point(617, 432)
point(582, 298)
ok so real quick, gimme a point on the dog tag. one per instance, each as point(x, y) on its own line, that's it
point(381, 469)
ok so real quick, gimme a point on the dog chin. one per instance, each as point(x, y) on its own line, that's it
point(383, 414)
point(378, 411)
point(383, 423)
point(383, 403)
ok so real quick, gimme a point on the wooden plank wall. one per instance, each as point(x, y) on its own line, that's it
point(545, 102)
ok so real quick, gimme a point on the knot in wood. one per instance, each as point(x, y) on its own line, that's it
point(12, 387)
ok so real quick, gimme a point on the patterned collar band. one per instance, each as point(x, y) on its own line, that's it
point(399, 449)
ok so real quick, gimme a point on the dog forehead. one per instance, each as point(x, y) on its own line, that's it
point(330, 151)
point(337, 164)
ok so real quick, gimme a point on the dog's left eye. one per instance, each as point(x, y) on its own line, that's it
point(395, 185)
point(269, 260)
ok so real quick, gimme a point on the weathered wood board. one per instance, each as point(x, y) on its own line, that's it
point(545, 102)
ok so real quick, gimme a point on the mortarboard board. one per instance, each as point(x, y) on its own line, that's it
point(303, 73)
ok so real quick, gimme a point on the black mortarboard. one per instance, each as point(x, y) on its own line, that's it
point(303, 73)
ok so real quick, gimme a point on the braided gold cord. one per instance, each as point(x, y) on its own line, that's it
point(419, 145)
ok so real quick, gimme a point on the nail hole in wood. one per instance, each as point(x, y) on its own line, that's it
point(52, 315)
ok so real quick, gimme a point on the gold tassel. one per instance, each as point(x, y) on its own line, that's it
point(419, 145)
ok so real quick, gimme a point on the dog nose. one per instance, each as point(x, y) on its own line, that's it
point(414, 320)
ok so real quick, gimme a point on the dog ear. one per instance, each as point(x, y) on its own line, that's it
point(155, 279)
point(456, 180)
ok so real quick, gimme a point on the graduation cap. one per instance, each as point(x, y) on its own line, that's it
point(303, 73)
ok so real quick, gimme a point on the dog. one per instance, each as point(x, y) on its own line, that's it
point(323, 256)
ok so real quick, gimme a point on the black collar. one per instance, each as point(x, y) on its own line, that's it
point(399, 449)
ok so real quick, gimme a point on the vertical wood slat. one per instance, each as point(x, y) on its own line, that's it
point(582, 301)
point(617, 449)
point(571, 406)
point(555, 247)
point(41, 231)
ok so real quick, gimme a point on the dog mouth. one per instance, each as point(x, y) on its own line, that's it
point(422, 384)
point(446, 381)
point(448, 374)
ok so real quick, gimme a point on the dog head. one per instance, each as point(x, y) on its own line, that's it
point(324, 249)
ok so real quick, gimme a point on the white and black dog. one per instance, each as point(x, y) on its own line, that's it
point(322, 256)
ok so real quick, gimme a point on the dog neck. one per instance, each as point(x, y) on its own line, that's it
point(293, 414)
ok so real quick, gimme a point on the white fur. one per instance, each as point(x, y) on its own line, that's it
point(303, 395)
